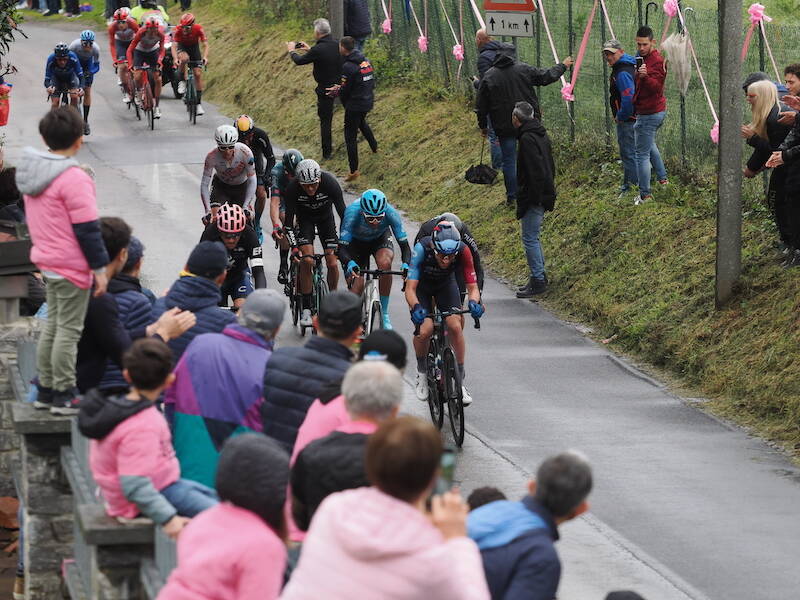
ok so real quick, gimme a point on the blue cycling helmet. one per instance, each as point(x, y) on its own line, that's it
point(373, 203)
point(446, 238)
point(87, 35)
point(61, 50)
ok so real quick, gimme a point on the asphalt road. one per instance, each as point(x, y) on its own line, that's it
point(684, 506)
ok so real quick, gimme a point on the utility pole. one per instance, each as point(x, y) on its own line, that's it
point(729, 166)
point(337, 18)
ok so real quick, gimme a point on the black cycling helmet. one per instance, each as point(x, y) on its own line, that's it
point(61, 50)
point(291, 158)
point(148, 3)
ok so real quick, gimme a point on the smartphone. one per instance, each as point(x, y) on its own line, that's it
point(639, 62)
point(298, 45)
point(447, 471)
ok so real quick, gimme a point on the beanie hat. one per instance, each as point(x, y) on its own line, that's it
point(384, 344)
point(263, 311)
point(208, 259)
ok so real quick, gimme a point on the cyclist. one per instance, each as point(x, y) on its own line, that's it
point(432, 276)
point(258, 141)
point(234, 174)
point(88, 53)
point(148, 8)
point(231, 228)
point(311, 196)
point(282, 175)
point(63, 73)
point(364, 232)
point(148, 47)
point(186, 39)
point(120, 34)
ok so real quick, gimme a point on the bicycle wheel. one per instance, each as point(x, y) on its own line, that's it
point(453, 394)
point(375, 318)
point(190, 99)
point(320, 291)
point(434, 397)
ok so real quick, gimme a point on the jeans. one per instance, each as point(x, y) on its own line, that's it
point(325, 114)
point(626, 138)
point(531, 224)
point(58, 344)
point(646, 150)
point(360, 42)
point(353, 121)
point(508, 146)
point(190, 497)
point(494, 145)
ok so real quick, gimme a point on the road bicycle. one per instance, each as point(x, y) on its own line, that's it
point(319, 288)
point(444, 379)
point(123, 64)
point(146, 94)
point(371, 310)
point(190, 96)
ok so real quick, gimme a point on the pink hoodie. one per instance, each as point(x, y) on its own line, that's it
point(365, 544)
point(227, 552)
point(321, 419)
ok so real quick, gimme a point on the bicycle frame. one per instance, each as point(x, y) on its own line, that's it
point(319, 284)
point(371, 299)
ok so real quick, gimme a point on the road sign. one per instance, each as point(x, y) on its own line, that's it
point(515, 24)
point(526, 6)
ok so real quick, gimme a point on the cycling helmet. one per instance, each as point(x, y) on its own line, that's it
point(152, 22)
point(226, 135)
point(122, 14)
point(61, 50)
point(373, 203)
point(291, 158)
point(452, 217)
point(446, 239)
point(308, 172)
point(244, 124)
point(87, 35)
point(187, 20)
point(148, 3)
point(231, 218)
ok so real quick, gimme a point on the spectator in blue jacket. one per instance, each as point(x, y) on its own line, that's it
point(197, 290)
point(517, 539)
point(621, 91)
point(357, 22)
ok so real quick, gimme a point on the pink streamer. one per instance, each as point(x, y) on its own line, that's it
point(746, 46)
point(386, 26)
point(715, 132)
point(671, 8)
point(458, 52)
point(566, 93)
point(422, 42)
point(576, 69)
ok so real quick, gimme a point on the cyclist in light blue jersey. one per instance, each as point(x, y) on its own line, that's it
point(365, 232)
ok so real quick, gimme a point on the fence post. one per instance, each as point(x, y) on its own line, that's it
point(539, 39)
point(571, 40)
point(639, 12)
point(683, 107)
point(762, 67)
point(605, 83)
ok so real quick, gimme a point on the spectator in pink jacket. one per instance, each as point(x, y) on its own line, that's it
point(236, 549)
point(381, 541)
point(68, 249)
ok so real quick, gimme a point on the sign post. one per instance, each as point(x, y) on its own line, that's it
point(509, 17)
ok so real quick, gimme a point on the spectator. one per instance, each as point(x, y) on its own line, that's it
point(484, 495)
point(650, 106)
point(380, 542)
point(131, 453)
point(507, 82)
point(12, 205)
point(29, 306)
point(104, 335)
point(791, 77)
point(373, 392)
point(327, 72)
point(357, 94)
point(537, 192)
point(782, 89)
point(235, 549)
point(197, 289)
point(357, 21)
point(218, 385)
point(621, 91)
point(67, 248)
point(294, 377)
point(133, 307)
point(516, 539)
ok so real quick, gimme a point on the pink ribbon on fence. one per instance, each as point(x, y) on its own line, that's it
point(671, 10)
point(567, 91)
point(386, 26)
point(715, 132)
point(422, 42)
point(540, 4)
point(756, 12)
point(458, 52)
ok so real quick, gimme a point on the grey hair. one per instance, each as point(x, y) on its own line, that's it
point(322, 26)
point(523, 111)
point(563, 482)
point(372, 389)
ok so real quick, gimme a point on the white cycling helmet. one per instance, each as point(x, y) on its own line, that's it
point(308, 172)
point(226, 135)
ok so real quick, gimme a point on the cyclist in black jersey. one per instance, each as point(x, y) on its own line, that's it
point(258, 141)
point(310, 198)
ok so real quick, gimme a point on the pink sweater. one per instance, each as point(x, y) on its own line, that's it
point(366, 544)
point(140, 446)
point(321, 419)
point(227, 553)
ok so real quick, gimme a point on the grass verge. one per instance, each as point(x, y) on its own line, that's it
point(642, 274)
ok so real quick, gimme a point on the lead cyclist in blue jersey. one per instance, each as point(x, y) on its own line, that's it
point(364, 232)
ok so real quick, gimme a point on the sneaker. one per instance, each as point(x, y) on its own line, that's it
point(283, 276)
point(19, 588)
point(65, 403)
point(623, 190)
point(181, 87)
point(642, 199)
point(44, 398)
point(50, 13)
point(534, 288)
point(126, 99)
point(664, 181)
point(119, 82)
point(421, 387)
point(466, 398)
point(86, 129)
point(305, 318)
point(386, 322)
point(200, 111)
point(156, 112)
point(353, 176)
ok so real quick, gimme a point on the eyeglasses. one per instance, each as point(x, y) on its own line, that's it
point(230, 236)
point(223, 148)
point(374, 219)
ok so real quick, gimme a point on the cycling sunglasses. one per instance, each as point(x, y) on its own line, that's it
point(375, 219)
point(231, 147)
point(230, 236)
point(446, 257)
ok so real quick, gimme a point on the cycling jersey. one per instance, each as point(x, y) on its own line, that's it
point(140, 14)
point(247, 249)
point(240, 169)
point(190, 38)
point(56, 76)
point(121, 38)
point(426, 229)
point(151, 43)
point(262, 152)
point(89, 57)
point(316, 208)
point(354, 229)
point(424, 267)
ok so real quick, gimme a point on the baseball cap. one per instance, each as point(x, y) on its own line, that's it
point(135, 253)
point(612, 46)
point(384, 344)
point(263, 311)
point(340, 313)
point(208, 259)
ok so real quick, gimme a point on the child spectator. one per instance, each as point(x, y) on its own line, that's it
point(484, 495)
point(131, 453)
point(67, 248)
point(235, 549)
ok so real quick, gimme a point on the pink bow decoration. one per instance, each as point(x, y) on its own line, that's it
point(566, 93)
point(387, 26)
point(756, 12)
point(671, 8)
point(458, 52)
point(715, 132)
point(422, 42)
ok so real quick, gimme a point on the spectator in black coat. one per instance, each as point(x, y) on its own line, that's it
point(295, 377)
point(373, 392)
point(357, 21)
point(327, 71)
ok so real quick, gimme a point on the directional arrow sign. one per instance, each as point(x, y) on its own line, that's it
point(515, 24)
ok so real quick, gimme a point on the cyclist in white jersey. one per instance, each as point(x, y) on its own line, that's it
point(234, 174)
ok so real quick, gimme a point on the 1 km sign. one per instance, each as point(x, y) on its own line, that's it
point(509, 17)
point(525, 6)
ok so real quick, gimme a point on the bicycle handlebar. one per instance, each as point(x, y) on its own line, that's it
point(379, 272)
point(447, 313)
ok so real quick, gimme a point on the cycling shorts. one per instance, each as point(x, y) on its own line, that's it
point(325, 229)
point(121, 49)
point(88, 79)
point(445, 293)
point(238, 284)
point(64, 85)
point(224, 193)
point(362, 250)
point(141, 58)
point(194, 53)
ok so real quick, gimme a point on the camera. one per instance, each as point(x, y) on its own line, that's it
point(639, 62)
point(298, 45)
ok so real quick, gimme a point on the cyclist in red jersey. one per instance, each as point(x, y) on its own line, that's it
point(120, 34)
point(186, 39)
point(147, 47)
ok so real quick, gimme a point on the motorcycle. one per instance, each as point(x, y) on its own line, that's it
point(169, 74)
